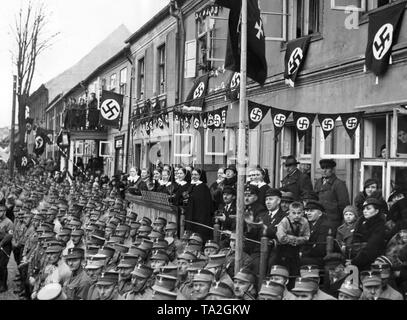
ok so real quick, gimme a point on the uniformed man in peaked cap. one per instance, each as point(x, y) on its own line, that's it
point(77, 286)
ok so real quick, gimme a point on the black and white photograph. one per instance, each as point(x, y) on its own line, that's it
point(203, 151)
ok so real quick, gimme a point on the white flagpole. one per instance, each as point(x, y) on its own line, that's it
point(241, 156)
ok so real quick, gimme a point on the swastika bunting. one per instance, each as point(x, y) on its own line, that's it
point(257, 113)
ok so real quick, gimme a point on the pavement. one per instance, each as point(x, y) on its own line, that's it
point(12, 272)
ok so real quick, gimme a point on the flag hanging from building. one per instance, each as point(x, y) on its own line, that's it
point(257, 112)
point(295, 56)
point(279, 118)
point(111, 109)
point(196, 96)
point(41, 140)
point(384, 29)
point(256, 45)
point(233, 89)
point(303, 123)
point(205, 120)
point(327, 122)
point(351, 122)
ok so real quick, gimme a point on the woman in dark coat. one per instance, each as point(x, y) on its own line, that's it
point(200, 206)
point(183, 184)
point(369, 235)
point(216, 189)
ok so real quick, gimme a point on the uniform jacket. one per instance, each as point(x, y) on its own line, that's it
point(125, 286)
point(388, 293)
point(372, 233)
point(18, 233)
point(334, 196)
point(6, 234)
point(77, 286)
point(298, 183)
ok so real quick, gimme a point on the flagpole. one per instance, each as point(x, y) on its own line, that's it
point(241, 156)
point(12, 132)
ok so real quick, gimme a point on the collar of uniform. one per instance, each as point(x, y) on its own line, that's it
point(182, 183)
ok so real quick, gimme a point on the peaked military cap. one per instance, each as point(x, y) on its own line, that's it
point(309, 271)
point(203, 275)
point(272, 288)
point(75, 253)
point(165, 281)
point(221, 289)
point(305, 285)
point(108, 278)
point(142, 271)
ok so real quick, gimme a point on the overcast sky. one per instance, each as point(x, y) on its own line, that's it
point(82, 24)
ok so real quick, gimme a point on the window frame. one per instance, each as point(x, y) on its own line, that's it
point(225, 148)
point(189, 71)
point(293, 6)
point(381, 164)
point(123, 84)
point(141, 80)
point(390, 165)
point(355, 155)
point(394, 131)
point(109, 147)
point(161, 67)
point(363, 7)
point(285, 14)
point(176, 147)
point(113, 81)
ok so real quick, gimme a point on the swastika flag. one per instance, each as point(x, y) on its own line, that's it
point(303, 123)
point(384, 28)
point(295, 58)
point(41, 140)
point(351, 122)
point(196, 96)
point(279, 118)
point(257, 112)
point(111, 109)
point(327, 122)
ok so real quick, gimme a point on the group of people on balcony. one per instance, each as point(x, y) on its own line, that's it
point(83, 115)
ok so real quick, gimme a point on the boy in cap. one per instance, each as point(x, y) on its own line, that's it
point(77, 286)
point(332, 193)
point(344, 234)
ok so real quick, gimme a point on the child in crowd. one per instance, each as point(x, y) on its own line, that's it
point(344, 233)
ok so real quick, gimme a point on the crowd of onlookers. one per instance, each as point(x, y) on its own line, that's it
point(77, 238)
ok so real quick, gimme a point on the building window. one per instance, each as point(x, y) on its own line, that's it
point(113, 82)
point(123, 81)
point(399, 133)
point(274, 15)
point(141, 79)
point(305, 18)
point(190, 59)
point(375, 135)
point(360, 5)
point(211, 42)
point(161, 69)
point(374, 4)
point(339, 145)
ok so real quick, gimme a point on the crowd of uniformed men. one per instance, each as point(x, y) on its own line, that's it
point(81, 241)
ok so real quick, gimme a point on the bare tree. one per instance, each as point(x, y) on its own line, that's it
point(31, 40)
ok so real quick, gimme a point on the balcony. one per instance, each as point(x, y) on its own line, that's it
point(83, 123)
